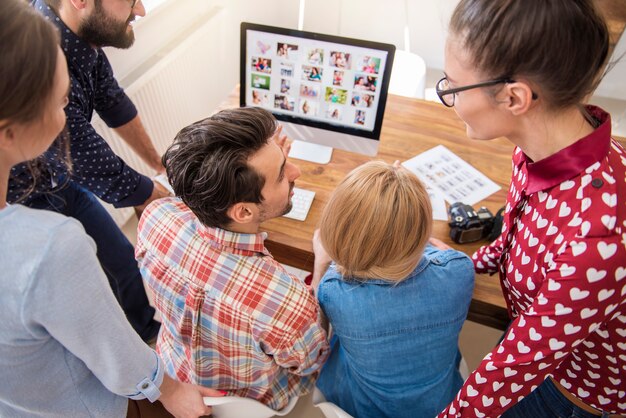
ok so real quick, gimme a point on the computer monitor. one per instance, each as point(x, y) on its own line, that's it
point(326, 90)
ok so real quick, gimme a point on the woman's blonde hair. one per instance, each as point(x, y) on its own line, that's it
point(377, 222)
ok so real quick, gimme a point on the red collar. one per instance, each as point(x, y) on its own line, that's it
point(570, 161)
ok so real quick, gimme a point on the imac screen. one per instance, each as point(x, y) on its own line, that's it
point(322, 81)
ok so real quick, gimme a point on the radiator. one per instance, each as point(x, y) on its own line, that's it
point(180, 85)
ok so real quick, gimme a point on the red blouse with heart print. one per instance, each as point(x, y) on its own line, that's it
point(562, 264)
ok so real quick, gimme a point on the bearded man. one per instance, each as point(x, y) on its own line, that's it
point(85, 27)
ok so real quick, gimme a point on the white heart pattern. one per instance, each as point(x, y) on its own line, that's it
point(563, 268)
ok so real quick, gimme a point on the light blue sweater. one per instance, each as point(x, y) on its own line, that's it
point(66, 349)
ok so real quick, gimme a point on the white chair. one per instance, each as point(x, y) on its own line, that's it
point(408, 75)
point(463, 369)
point(237, 407)
point(329, 409)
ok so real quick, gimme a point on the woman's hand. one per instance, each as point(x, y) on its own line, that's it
point(439, 244)
point(322, 260)
point(282, 140)
point(184, 400)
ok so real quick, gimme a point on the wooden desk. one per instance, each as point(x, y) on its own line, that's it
point(410, 127)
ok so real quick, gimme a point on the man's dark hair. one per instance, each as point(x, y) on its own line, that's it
point(207, 165)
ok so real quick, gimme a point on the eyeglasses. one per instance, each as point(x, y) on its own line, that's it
point(447, 95)
point(133, 3)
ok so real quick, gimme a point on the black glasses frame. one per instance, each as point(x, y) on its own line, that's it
point(442, 93)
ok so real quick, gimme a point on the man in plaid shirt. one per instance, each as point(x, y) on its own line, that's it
point(233, 318)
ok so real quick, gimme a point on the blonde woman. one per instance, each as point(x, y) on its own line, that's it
point(396, 304)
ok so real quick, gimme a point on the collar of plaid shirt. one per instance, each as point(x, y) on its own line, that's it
point(244, 244)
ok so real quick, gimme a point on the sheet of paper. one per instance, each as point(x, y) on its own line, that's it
point(440, 212)
point(447, 174)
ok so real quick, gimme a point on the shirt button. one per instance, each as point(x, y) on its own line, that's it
point(145, 386)
point(597, 183)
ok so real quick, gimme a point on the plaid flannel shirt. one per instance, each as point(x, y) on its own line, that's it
point(233, 318)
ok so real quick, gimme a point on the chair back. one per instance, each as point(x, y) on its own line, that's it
point(237, 407)
point(408, 75)
point(329, 409)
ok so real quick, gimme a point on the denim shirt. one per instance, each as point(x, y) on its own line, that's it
point(395, 346)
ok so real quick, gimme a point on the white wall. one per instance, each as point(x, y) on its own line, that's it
point(379, 20)
point(157, 30)
point(614, 83)
point(385, 21)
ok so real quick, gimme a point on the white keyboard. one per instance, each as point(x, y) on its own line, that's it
point(301, 200)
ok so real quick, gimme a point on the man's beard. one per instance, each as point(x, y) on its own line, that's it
point(289, 202)
point(101, 30)
point(263, 213)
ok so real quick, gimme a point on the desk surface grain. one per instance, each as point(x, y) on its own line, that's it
point(410, 127)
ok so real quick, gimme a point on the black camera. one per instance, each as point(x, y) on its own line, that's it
point(468, 225)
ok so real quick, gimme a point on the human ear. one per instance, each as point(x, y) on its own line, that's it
point(78, 4)
point(7, 134)
point(519, 97)
point(241, 213)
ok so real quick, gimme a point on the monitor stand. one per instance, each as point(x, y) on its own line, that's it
point(307, 151)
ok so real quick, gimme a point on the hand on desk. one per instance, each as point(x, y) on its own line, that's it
point(322, 260)
point(159, 191)
point(439, 244)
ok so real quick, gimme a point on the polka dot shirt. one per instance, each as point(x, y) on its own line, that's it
point(95, 166)
point(562, 265)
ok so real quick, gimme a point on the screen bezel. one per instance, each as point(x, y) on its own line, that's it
point(380, 111)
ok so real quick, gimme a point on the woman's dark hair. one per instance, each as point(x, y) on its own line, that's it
point(29, 47)
point(561, 46)
point(29, 50)
point(207, 165)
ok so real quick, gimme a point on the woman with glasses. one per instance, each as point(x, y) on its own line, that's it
point(523, 70)
point(66, 347)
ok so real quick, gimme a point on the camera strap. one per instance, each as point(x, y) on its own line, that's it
point(496, 229)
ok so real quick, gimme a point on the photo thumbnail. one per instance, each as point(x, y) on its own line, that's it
point(286, 51)
point(370, 65)
point(259, 81)
point(260, 98)
point(312, 73)
point(262, 47)
point(312, 92)
point(333, 112)
point(334, 95)
point(284, 102)
point(286, 69)
point(362, 99)
point(315, 56)
point(340, 60)
point(308, 107)
point(285, 86)
point(359, 117)
point(261, 65)
point(337, 78)
point(365, 82)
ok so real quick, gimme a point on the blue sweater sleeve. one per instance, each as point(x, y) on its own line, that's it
point(69, 297)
